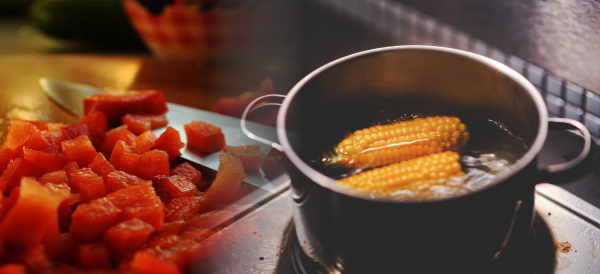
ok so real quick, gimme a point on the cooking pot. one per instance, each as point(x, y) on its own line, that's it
point(351, 233)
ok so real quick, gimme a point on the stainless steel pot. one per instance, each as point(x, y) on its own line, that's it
point(349, 233)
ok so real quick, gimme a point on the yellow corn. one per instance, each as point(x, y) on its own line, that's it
point(409, 175)
point(385, 144)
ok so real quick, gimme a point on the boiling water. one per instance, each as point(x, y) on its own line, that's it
point(491, 151)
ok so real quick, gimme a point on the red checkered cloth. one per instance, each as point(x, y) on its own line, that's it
point(183, 31)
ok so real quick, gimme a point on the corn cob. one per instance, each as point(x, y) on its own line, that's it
point(408, 175)
point(385, 144)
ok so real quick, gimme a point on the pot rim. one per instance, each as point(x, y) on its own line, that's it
point(331, 184)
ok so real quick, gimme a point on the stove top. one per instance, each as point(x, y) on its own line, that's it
point(565, 239)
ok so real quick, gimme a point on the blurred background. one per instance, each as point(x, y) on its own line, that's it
point(225, 48)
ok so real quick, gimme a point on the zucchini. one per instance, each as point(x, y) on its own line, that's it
point(97, 22)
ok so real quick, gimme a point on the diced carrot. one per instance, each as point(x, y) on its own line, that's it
point(146, 262)
point(144, 142)
point(101, 166)
point(162, 239)
point(91, 220)
point(70, 168)
point(176, 227)
point(26, 223)
point(96, 123)
point(13, 268)
point(57, 177)
point(182, 208)
point(170, 141)
point(17, 169)
point(229, 177)
point(151, 164)
point(176, 185)
point(116, 104)
point(128, 235)
point(211, 219)
point(23, 133)
point(139, 123)
point(116, 134)
point(88, 184)
point(188, 171)
point(55, 137)
point(93, 255)
point(118, 180)
point(79, 150)
point(7, 154)
point(183, 253)
point(251, 156)
point(124, 158)
point(136, 125)
point(74, 131)
point(204, 136)
point(51, 162)
point(139, 202)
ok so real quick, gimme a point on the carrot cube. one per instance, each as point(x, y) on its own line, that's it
point(17, 169)
point(26, 223)
point(128, 235)
point(88, 184)
point(117, 104)
point(79, 150)
point(188, 171)
point(177, 185)
point(170, 141)
point(139, 202)
point(91, 220)
point(74, 131)
point(51, 162)
point(151, 164)
point(116, 134)
point(96, 123)
point(144, 142)
point(124, 158)
point(101, 166)
point(57, 177)
point(204, 136)
point(182, 208)
point(146, 262)
point(162, 239)
point(118, 180)
point(13, 268)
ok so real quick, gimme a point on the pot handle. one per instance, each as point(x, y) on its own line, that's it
point(553, 172)
point(251, 107)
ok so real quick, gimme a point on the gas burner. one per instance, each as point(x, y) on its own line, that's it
point(536, 255)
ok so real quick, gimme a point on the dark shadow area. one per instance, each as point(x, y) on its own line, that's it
point(561, 36)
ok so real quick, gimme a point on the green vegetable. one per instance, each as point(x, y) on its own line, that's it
point(98, 22)
point(14, 7)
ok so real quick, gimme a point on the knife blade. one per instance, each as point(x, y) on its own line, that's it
point(70, 96)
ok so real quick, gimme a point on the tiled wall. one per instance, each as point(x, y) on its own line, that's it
point(409, 26)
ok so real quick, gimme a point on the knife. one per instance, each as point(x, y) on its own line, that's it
point(70, 96)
